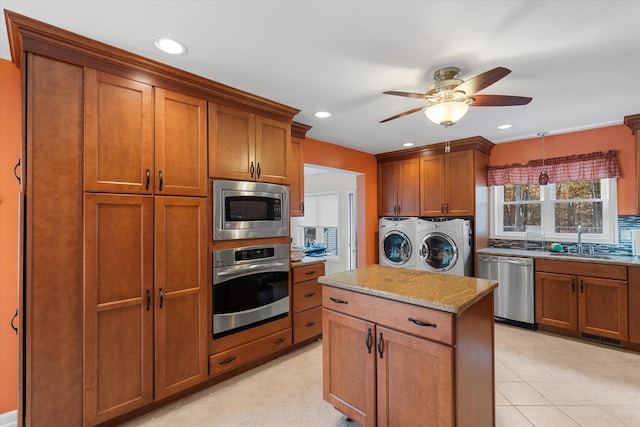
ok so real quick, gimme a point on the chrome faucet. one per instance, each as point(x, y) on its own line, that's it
point(580, 239)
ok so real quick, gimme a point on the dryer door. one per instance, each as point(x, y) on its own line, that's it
point(396, 247)
point(438, 251)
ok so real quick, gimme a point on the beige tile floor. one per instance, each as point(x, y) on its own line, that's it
point(541, 380)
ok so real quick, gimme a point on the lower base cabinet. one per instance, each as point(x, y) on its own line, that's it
point(382, 370)
point(307, 300)
point(634, 304)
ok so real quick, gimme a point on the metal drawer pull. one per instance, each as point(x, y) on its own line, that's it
point(338, 301)
point(309, 273)
point(148, 299)
point(309, 324)
point(252, 169)
point(258, 170)
point(380, 346)
point(309, 295)
point(280, 340)
point(419, 323)
point(368, 341)
point(15, 316)
point(161, 297)
point(148, 180)
point(227, 361)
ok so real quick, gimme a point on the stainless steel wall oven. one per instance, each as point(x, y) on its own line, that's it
point(250, 287)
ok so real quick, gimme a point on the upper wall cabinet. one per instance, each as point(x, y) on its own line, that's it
point(398, 188)
point(296, 189)
point(248, 147)
point(447, 185)
point(121, 154)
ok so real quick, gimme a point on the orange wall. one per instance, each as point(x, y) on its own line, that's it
point(9, 188)
point(334, 156)
point(617, 137)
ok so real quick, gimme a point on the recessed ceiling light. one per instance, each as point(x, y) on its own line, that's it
point(171, 46)
point(504, 126)
point(408, 144)
point(323, 114)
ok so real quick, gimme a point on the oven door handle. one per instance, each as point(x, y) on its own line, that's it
point(244, 270)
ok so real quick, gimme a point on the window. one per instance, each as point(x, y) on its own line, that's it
point(557, 209)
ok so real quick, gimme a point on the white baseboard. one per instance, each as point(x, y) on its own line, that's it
point(9, 419)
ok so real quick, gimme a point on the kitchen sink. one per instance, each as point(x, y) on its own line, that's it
point(586, 256)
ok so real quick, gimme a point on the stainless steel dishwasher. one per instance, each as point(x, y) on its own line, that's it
point(514, 298)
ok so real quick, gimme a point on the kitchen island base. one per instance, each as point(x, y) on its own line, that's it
point(390, 363)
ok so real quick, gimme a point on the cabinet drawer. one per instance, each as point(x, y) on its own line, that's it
point(588, 269)
point(307, 324)
point(393, 314)
point(307, 272)
point(306, 295)
point(240, 355)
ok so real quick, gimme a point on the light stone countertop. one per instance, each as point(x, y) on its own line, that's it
point(308, 260)
point(610, 259)
point(444, 292)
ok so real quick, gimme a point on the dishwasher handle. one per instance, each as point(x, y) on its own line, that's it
point(517, 261)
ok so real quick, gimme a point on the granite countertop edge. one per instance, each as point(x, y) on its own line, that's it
point(540, 254)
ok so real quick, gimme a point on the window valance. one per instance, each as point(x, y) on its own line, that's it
point(580, 167)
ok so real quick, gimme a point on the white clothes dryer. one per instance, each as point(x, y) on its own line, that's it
point(444, 246)
point(396, 239)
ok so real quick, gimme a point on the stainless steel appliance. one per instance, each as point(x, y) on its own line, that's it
point(250, 287)
point(249, 210)
point(514, 298)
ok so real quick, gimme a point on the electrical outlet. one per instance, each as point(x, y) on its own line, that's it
point(625, 234)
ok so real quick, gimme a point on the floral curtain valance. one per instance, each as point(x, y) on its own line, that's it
point(581, 167)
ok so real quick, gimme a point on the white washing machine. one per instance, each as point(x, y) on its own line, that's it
point(444, 246)
point(396, 238)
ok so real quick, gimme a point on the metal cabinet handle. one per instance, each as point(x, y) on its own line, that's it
point(161, 297)
point(309, 273)
point(15, 171)
point(280, 340)
point(14, 317)
point(160, 185)
point(441, 208)
point(303, 208)
point(581, 286)
point(446, 208)
point(309, 324)
point(309, 295)
point(368, 341)
point(573, 285)
point(380, 345)
point(258, 170)
point(148, 299)
point(420, 323)
point(252, 169)
point(338, 301)
point(148, 180)
point(227, 361)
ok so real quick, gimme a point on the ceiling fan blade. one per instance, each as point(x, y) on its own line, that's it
point(481, 81)
point(498, 100)
point(407, 94)
point(406, 113)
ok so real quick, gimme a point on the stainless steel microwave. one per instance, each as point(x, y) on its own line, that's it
point(249, 210)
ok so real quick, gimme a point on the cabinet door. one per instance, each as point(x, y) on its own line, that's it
point(273, 150)
point(231, 143)
point(296, 189)
point(118, 147)
point(180, 293)
point(459, 184)
point(556, 300)
point(118, 317)
point(180, 144)
point(387, 189)
point(602, 307)
point(408, 182)
point(432, 185)
point(634, 304)
point(419, 396)
point(348, 363)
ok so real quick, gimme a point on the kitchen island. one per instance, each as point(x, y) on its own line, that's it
point(404, 347)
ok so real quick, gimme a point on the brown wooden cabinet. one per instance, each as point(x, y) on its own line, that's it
point(246, 146)
point(634, 304)
point(296, 188)
point(307, 300)
point(594, 302)
point(398, 187)
point(134, 144)
point(447, 184)
point(380, 368)
point(143, 339)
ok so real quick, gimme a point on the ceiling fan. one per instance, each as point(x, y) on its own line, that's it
point(449, 98)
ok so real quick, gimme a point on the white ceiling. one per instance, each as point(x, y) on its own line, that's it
point(578, 60)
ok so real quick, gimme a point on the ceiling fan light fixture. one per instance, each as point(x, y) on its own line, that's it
point(446, 113)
